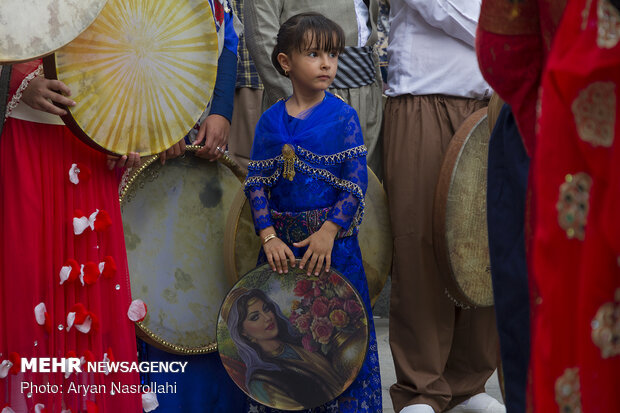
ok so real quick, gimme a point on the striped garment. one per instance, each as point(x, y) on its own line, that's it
point(356, 68)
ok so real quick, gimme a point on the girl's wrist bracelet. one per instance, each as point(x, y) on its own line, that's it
point(269, 237)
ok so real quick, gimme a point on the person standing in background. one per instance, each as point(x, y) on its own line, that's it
point(443, 353)
point(248, 98)
point(358, 80)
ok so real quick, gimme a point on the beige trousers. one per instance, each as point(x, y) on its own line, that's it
point(443, 354)
point(246, 112)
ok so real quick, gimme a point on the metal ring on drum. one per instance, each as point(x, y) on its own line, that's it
point(142, 74)
point(174, 219)
point(241, 245)
point(459, 216)
point(30, 29)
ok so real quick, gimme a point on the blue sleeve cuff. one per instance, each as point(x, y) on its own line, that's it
point(224, 92)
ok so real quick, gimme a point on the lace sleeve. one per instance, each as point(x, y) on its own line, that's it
point(353, 170)
point(260, 207)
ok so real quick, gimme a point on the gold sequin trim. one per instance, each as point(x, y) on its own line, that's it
point(18, 93)
point(567, 391)
point(594, 111)
point(606, 328)
point(573, 204)
point(608, 25)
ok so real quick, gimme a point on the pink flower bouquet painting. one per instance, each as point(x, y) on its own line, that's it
point(292, 341)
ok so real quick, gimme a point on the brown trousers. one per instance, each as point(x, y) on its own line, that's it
point(443, 354)
point(246, 112)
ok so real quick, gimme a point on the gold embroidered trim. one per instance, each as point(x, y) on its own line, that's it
point(573, 204)
point(567, 391)
point(335, 158)
point(311, 157)
point(608, 25)
point(18, 93)
point(262, 180)
point(594, 110)
point(606, 327)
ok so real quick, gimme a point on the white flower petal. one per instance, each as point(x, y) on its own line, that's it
point(106, 360)
point(82, 274)
point(80, 225)
point(137, 310)
point(39, 313)
point(73, 174)
point(7, 410)
point(85, 326)
point(149, 402)
point(92, 218)
point(101, 266)
point(39, 408)
point(64, 273)
point(5, 366)
point(70, 320)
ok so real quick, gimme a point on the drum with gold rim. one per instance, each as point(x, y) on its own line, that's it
point(173, 218)
point(142, 74)
point(241, 245)
point(30, 29)
point(292, 341)
point(460, 218)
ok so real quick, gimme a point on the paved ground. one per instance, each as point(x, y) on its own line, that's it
point(387, 367)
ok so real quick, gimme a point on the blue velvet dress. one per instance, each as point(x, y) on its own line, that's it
point(325, 178)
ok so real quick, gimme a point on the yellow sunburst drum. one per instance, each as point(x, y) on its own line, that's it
point(30, 29)
point(141, 74)
point(241, 245)
point(174, 217)
point(460, 217)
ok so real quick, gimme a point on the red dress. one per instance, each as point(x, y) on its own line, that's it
point(576, 255)
point(37, 208)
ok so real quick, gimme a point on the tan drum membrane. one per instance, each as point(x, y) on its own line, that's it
point(460, 217)
point(173, 218)
point(31, 29)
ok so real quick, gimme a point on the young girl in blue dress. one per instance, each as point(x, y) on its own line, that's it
point(307, 179)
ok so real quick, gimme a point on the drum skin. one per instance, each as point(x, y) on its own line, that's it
point(173, 218)
point(142, 74)
point(460, 219)
point(241, 244)
point(30, 29)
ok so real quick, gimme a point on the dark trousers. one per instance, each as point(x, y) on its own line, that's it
point(506, 205)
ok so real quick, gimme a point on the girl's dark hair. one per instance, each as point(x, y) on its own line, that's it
point(283, 329)
point(304, 30)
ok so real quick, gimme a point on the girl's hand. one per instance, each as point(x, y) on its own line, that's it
point(277, 253)
point(319, 250)
point(41, 92)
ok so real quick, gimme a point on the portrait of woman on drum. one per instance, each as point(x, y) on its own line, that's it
point(279, 371)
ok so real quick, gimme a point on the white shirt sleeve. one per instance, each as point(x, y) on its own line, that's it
point(457, 18)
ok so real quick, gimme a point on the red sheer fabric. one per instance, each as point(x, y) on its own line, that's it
point(37, 206)
point(576, 352)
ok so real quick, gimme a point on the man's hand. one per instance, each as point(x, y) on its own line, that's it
point(214, 132)
point(131, 160)
point(174, 151)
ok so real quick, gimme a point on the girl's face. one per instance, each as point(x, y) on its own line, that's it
point(260, 323)
point(311, 69)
